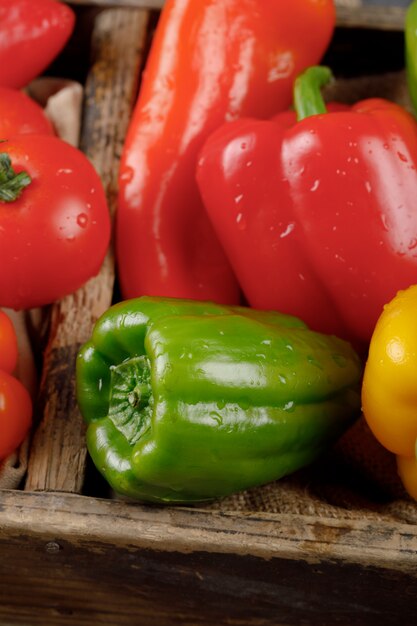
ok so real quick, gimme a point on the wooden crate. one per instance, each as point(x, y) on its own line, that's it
point(72, 555)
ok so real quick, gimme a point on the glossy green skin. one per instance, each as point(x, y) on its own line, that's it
point(235, 397)
point(410, 33)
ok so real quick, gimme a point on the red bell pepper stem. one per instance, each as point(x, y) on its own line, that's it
point(308, 99)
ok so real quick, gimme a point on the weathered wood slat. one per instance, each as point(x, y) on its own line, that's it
point(77, 519)
point(378, 17)
point(348, 14)
point(58, 454)
point(137, 4)
point(105, 562)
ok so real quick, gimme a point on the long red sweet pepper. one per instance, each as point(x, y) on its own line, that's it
point(211, 61)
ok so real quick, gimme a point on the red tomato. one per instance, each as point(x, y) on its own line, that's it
point(15, 413)
point(32, 33)
point(8, 344)
point(20, 114)
point(55, 235)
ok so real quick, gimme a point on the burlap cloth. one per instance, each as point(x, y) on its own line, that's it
point(356, 478)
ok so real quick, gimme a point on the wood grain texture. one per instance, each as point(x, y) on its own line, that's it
point(106, 562)
point(58, 454)
point(378, 17)
point(80, 520)
point(349, 13)
point(138, 4)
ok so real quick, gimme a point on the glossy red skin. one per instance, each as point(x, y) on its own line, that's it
point(318, 219)
point(15, 413)
point(8, 344)
point(33, 32)
point(15, 402)
point(211, 61)
point(19, 114)
point(55, 236)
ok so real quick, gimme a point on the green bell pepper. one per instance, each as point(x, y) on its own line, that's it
point(190, 401)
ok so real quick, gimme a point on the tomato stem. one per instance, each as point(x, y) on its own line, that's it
point(11, 184)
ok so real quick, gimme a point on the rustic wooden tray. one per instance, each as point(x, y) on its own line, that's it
point(72, 555)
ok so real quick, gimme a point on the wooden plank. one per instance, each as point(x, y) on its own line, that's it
point(106, 562)
point(100, 585)
point(137, 4)
point(352, 15)
point(372, 17)
point(58, 454)
point(123, 524)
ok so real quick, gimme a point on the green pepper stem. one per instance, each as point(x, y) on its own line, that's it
point(11, 184)
point(308, 99)
point(410, 33)
point(131, 399)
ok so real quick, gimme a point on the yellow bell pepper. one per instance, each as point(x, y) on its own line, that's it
point(389, 390)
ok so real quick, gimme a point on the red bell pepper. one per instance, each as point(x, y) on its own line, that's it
point(211, 61)
point(318, 216)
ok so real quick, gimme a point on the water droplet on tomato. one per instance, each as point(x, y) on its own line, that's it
point(82, 220)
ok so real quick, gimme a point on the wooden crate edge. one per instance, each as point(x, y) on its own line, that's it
point(81, 520)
